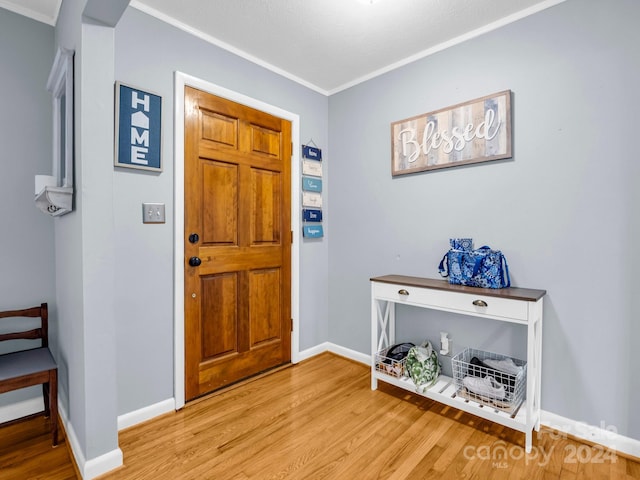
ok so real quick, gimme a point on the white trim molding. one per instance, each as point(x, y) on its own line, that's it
point(348, 353)
point(94, 467)
point(182, 80)
point(313, 351)
point(146, 413)
point(605, 435)
point(338, 350)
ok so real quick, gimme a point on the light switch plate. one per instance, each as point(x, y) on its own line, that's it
point(153, 213)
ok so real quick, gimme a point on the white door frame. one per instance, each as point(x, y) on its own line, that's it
point(182, 80)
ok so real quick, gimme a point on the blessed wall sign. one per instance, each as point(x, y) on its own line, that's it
point(470, 132)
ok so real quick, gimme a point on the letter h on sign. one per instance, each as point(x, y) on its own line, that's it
point(138, 129)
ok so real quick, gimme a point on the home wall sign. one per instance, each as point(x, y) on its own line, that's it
point(138, 129)
point(470, 132)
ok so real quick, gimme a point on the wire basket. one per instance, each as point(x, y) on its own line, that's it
point(495, 383)
point(393, 365)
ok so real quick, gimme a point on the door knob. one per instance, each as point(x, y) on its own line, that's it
point(195, 261)
point(194, 237)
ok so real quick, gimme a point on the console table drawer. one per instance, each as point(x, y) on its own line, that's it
point(466, 303)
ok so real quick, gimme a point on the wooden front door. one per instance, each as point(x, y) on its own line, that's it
point(237, 256)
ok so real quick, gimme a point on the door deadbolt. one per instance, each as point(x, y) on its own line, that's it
point(194, 237)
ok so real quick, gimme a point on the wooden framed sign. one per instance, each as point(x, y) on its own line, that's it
point(470, 132)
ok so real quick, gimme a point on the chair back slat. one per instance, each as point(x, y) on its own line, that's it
point(34, 334)
point(27, 312)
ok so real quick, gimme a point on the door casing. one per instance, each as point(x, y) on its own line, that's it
point(180, 81)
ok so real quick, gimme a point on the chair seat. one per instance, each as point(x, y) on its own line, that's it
point(26, 362)
point(28, 368)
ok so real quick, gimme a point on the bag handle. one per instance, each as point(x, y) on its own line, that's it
point(479, 262)
point(505, 269)
point(392, 353)
point(442, 268)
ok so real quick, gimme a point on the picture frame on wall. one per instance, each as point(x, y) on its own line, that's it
point(471, 132)
point(138, 129)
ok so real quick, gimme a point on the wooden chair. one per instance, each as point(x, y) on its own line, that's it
point(26, 368)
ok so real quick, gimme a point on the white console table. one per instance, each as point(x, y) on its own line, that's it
point(514, 305)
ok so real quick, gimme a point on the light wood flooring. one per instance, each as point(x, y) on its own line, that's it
point(319, 420)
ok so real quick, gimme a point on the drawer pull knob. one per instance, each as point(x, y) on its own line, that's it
point(402, 291)
point(480, 303)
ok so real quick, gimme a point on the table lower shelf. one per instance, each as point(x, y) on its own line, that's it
point(444, 391)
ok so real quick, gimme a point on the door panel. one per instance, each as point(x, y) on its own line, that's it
point(220, 195)
point(219, 128)
point(219, 315)
point(238, 200)
point(265, 206)
point(264, 315)
point(265, 141)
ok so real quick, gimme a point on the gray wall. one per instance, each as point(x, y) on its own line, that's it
point(563, 210)
point(26, 243)
point(148, 52)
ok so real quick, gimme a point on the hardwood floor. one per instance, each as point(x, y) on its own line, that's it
point(26, 452)
point(320, 420)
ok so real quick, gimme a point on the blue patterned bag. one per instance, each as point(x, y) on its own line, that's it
point(481, 267)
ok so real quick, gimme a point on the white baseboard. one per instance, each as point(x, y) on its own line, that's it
point(104, 463)
point(21, 409)
point(147, 413)
point(348, 353)
point(605, 435)
point(338, 350)
point(313, 351)
point(93, 467)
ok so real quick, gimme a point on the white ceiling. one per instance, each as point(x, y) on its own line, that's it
point(326, 45)
point(45, 11)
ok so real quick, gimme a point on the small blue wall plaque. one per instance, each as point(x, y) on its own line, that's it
point(312, 153)
point(310, 184)
point(138, 129)
point(311, 215)
point(312, 231)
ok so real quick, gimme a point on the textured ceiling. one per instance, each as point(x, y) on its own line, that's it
point(329, 45)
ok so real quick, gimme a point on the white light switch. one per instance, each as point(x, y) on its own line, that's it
point(153, 213)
